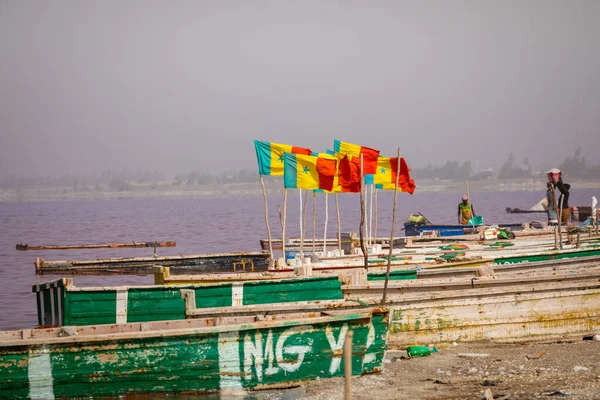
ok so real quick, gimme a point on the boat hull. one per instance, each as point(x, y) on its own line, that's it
point(187, 356)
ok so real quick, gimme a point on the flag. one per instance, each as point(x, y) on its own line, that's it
point(330, 155)
point(349, 175)
point(354, 151)
point(308, 172)
point(386, 171)
point(270, 156)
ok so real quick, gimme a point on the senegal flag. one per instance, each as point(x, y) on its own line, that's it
point(386, 172)
point(270, 156)
point(353, 151)
point(309, 172)
point(330, 155)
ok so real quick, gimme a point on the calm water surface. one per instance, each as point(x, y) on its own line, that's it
point(198, 226)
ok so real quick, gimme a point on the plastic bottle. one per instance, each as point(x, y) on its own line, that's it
point(420, 351)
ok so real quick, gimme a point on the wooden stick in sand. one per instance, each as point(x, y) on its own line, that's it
point(348, 365)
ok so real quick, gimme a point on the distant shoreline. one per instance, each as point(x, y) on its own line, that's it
point(251, 189)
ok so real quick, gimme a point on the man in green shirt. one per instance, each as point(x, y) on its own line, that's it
point(465, 210)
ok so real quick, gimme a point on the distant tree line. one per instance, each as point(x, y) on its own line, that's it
point(121, 181)
point(577, 167)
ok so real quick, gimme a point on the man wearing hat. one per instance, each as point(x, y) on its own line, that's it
point(465, 210)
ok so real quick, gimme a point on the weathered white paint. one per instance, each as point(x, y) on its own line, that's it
point(253, 355)
point(41, 384)
point(336, 346)
point(270, 356)
point(370, 357)
point(229, 361)
point(299, 351)
point(237, 294)
point(122, 306)
point(274, 356)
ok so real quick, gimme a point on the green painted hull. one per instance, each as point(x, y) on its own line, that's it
point(60, 304)
point(399, 275)
point(228, 358)
point(547, 257)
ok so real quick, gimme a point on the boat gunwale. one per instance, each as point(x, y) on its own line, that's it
point(148, 330)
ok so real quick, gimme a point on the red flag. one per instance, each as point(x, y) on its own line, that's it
point(404, 182)
point(349, 175)
point(370, 157)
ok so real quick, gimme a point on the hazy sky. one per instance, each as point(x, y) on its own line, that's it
point(86, 86)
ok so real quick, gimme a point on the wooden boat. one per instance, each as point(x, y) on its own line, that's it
point(540, 306)
point(231, 354)
point(143, 265)
point(510, 210)
point(583, 212)
point(534, 307)
point(60, 302)
point(424, 255)
point(412, 229)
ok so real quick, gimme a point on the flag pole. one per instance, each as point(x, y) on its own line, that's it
point(375, 188)
point(389, 261)
point(371, 216)
point(303, 221)
point(326, 218)
point(362, 214)
point(339, 221)
point(314, 222)
point(262, 182)
point(285, 193)
point(301, 230)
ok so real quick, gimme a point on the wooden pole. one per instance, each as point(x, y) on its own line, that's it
point(376, 205)
point(348, 365)
point(303, 225)
point(285, 193)
point(371, 215)
point(326, 220)
point(389, 261)
point(262, 182)
point(300, 192)
point(470, 206)
point(280, 216)
point(135, 245)
point(339, 223)
point(560, 223)
point(362, 214)
point(314, 222)
point(301, 230)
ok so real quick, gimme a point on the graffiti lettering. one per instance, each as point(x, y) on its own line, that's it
point(299, 351)
point(336, 346)
point(273, 354)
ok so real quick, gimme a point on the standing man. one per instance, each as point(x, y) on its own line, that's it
point(465, 210)
point(563, 201)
